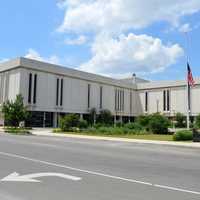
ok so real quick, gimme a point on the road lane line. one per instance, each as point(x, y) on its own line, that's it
point(100, 174)
point(176, 189)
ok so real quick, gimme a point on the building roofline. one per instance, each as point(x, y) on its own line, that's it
point(62, 71)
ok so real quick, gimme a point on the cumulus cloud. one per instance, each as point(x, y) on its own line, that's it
point(120, 15)
point(185, 28)
point(77, 41)
point(132, 53)
point(3, 60)
point(33, 54)
point(116, 50)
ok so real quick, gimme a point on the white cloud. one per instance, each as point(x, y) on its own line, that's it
point(185, 28)
point(3, 60)
point(120, 15)
point(133, 53)
point(33, 54)
point(114, 52)
point(77, 41)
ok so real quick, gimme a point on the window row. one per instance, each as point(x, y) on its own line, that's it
point(166, 101)
point(89, 97)
point(119, 100)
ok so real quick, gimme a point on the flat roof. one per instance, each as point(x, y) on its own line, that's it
point(62, 71)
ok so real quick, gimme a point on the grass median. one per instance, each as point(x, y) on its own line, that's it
point(148, 136)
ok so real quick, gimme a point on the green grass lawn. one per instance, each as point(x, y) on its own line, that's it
point(128, 136)
point(17, 130)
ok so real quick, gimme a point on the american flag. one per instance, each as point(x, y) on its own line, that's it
point(190, 79)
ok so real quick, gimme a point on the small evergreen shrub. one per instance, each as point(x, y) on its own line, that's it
point(105, 117)
point(180, 120)
point(134, 126)
point(69, 121)
point(82, 124)
point(158, 124)
point(197, 121)
point(183, 135)
point(143, 120)
point(119, 124)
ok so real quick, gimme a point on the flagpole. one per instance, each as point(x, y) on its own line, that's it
point(187, 84)
point(188, 106)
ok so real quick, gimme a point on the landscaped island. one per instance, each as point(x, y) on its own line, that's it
point(149, 127)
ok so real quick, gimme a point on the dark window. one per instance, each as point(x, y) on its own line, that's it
point(61, 93)
point(35, 89)
point(115, 99)
point(146, 101)
point(101, 97)
point(57, 91)
point(164, 100)
point(131, 103)
point(168, 101)
point(123, 100)
point(118, 100)
point(30, 88)
point(89, 87)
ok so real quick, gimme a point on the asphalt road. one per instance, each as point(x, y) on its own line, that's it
point(101, 170)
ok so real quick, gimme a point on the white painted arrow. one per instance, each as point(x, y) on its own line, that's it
point(15, 177)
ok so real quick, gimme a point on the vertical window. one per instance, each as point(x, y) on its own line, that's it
point(35, 89)
point(89, 88)
point(61, 93)
point(101, 97)
point(168, 101)
point(115, 99)
point(131, 103)
point(30, 88)
point(164, 100)
point(57, 91)
point(118, 100)
point(146, 101)
point(123, 100)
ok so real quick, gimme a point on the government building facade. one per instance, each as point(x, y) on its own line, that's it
point(51, 91)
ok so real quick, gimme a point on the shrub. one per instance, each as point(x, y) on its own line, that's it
point(158, 124)
point(105, 117)
point(69, 121)
point(180, 120)
point(143, 120)
point(197, 121)
point(183, 135)
point(134, 126)
point(82, 124)
point(119, 124)
point(98, 125)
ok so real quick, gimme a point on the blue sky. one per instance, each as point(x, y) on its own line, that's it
point(105, 37)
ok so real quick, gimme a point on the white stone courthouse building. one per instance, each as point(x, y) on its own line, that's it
point(51, 91)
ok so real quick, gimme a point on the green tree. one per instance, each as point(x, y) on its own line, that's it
point(158, 124)
point(180, 120)
point(105, 117)
point(92, 116)
point(197, 121)
point(68, 122)
point(143, 120)
point(14, 111)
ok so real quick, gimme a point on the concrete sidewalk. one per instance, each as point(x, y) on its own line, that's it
point(48, 132)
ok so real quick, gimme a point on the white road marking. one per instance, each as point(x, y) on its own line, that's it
point(101, 174)
point(15, 177)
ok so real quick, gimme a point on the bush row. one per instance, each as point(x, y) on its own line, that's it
point(156, 123)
